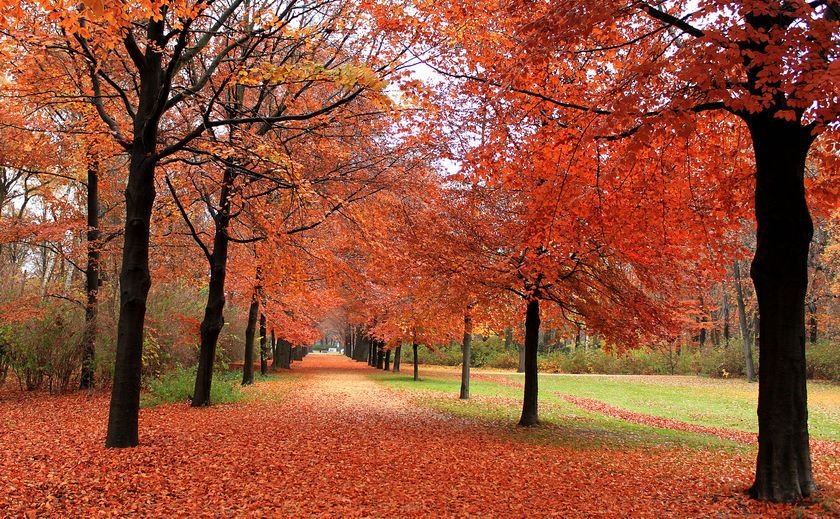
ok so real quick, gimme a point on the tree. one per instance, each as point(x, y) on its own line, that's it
point(639, 72)
point(146, 62)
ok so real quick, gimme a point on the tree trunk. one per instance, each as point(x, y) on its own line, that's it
point(520, 348)
point(467, 357)
point(397, 358)
point(135, 279)
point(91, 279)
point(284, 354)
point(263, 347)
point(746, 338)
point(275, 352)
point(250, 331)
point(380, 355)
point(416, 363)
point(388, 360)
point(374, 353)
point(530, 415)
point(214, 320)
point(780, 275)
point(727, 332)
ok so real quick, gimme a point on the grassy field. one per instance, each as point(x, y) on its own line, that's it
point(717, 403)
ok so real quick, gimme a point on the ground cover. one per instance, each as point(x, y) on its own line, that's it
point(332, 441)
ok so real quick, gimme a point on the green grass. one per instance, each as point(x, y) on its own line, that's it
point(562, 423)
point(178, 386)
point(728, 404)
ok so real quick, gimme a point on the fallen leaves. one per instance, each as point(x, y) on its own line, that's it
point(334, 443)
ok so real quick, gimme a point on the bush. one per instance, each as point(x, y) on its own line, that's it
point(822, 361)
point(504, 360)
point(45, 348)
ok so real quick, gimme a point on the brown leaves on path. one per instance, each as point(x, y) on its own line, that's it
point(337, 444)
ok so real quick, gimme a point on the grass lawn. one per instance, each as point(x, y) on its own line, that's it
point(718, 403)
point(728, 404)
point(561, 423)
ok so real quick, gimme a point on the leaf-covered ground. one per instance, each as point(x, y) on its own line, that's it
point(332, 442)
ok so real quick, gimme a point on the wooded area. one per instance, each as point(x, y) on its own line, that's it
point(186, 184)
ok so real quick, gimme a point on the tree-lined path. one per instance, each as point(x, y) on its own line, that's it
point(329, 440)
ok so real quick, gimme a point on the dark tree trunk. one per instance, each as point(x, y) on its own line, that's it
point(360, 348)
point(374, 353)
point(780, 275)
point(214, 320)
point(416, 363)
point(467, 357)
point(275, 352)
point(284, 354)
point(746, 337)
point(727, 332)
point(397, 358)
point(530, 415)
point(250, 332)
point(388, 360)
point(263, 348)
point(135, 279)
point(380, 355)
point(91, 278)
point(348, 342)
point(521, 350)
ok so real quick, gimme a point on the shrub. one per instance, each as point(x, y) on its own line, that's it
point(504, 360)
point(822, 361)
point(46, 348)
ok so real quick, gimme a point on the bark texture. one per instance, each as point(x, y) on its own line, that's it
point(250, 332)
point(530, 415)
point(91, 279)
point(466, 346)
point(780, 275)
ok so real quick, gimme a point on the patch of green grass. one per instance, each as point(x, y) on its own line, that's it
point(728, 404)
point(562, 423)
point(178, 386)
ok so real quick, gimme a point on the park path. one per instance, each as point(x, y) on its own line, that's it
point(329, 441)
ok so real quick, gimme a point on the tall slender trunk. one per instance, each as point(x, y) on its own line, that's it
point(388, 360)
point(214, 320)
point(520, 348)
point(530, 415)
point(746, 337)
point(397, 358)
point(275, 352)
point(91, 279)
point(380, 355)
point(416, 363)
point(348, 342)
point(467, 357)
point(263, 347)
point(727, 332)
point(250, 331)
point(780, 275)
point(135, 279)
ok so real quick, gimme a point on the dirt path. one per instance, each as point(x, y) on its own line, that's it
point(337, 444)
